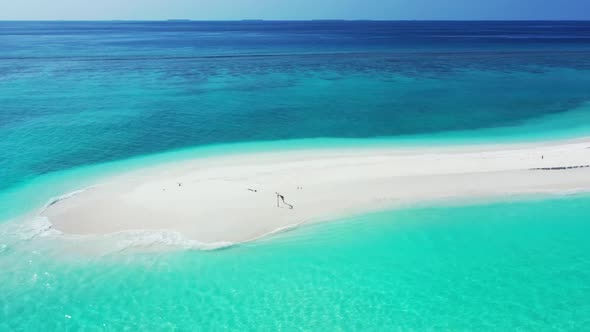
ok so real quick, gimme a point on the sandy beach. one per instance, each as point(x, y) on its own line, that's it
point(234, 198)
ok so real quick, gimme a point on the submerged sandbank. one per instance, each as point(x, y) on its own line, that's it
point(233, 198)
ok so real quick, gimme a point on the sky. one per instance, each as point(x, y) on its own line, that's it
point(295, 9)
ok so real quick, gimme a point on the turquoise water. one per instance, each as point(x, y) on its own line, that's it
point(496, 267)
point(83, 100)
point(82, 93)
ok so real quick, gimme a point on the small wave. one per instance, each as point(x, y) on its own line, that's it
point(37, 227)
point(552, 192)
point(27, 230)
point(57, 199)
point(157, 239)
point(129, 240)
point(573, 192)
point(275, 231)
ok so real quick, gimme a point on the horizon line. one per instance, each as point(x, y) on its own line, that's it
point(293, 20)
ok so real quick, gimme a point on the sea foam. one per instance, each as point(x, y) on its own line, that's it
point(57, 199)
point(37, 227)
point(160, 239)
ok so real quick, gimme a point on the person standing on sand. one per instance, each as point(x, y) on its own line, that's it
point(282, 199)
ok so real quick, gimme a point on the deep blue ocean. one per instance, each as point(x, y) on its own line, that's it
point(79, 93)
point(79, 100)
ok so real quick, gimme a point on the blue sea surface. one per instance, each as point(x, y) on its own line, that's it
point(80, 100)
point(82, 93)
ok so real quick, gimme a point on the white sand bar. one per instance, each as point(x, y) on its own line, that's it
point(213, 202)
